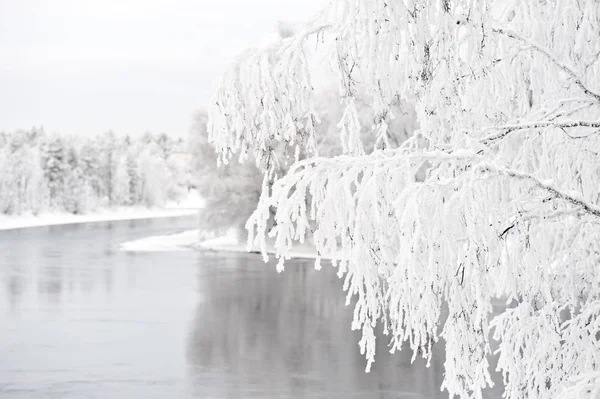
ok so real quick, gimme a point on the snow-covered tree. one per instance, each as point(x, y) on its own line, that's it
point(108, 164)
point(231, 192)
point(400, 126)
point(75, 195)
point(178, 161)
point(89, 162)
point(21, 179)
point(497, 195)
point(55, 167)
point(134, 179)
point(122, 187)
point(155, 175)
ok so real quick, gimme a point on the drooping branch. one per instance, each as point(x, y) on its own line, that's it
point(264, 101)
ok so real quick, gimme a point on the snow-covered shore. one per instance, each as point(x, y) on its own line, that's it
point(187, 207)
point(184, 241)
point(190, 240)
point(52, 219)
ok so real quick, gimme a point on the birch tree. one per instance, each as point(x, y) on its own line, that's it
point(496, 195)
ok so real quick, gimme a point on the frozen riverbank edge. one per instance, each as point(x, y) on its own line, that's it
point(186, 207)
point(55, 219)
point(190, 241)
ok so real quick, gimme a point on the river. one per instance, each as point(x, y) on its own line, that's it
point(81, 319)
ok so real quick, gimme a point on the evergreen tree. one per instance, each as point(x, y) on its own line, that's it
point(55, 168)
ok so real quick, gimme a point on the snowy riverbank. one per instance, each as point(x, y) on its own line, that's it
point(190, 240)
point(52, 219)
point(186, 207)
point(184, 241)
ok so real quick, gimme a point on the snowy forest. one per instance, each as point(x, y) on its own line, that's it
point(42, 172)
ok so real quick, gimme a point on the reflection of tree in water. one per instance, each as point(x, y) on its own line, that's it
point(259, 332)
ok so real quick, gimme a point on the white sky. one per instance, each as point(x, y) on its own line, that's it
point(87, 66)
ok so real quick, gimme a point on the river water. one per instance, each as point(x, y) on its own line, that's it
point(81, 319)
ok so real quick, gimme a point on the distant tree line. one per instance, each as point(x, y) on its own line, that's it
point(41, 172)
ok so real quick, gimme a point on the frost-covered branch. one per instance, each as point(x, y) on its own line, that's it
point(264, 102)
point(464, 211)
point(376, 218)
point(574, 198)
point(569, 71)
point(507, 129)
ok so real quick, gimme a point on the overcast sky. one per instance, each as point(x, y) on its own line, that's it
point(87, 66)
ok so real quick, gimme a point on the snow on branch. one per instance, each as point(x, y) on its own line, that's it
point(568, 70)
point(507, 129)
point(574, 198)
point(464, 211)
point(386, 231)
point(265, 98)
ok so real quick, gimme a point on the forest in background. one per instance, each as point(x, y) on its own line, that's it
point(47, 172)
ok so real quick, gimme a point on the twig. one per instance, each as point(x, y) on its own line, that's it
point(506, 230)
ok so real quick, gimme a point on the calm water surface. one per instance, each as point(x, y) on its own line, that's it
point(80, 319)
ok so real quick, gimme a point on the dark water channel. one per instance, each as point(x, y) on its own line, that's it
point(80, 319)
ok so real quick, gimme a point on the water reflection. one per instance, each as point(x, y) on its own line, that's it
point(81, 319)
point(257, 333)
